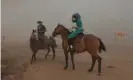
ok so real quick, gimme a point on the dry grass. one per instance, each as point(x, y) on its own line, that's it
point(12, 66)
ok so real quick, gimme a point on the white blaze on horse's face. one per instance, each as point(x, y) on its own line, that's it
point(35, 35)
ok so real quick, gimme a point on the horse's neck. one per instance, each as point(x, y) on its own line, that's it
point(34, 35)
point(64, 36)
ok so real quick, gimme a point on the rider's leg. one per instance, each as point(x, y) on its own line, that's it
point(76, 32)
point(73, 34)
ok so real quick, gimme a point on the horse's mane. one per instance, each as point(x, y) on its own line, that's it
point(65, 28)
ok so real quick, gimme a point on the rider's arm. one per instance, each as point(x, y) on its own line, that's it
point(43, 28)
point(74, 26)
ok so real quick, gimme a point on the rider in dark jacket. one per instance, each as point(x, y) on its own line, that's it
point(41, 29)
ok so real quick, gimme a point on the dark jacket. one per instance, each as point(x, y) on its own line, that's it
point(41, 28)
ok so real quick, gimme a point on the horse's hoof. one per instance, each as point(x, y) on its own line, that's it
point(99, 74)
point(31, 62)
point(73, 69)
point(65, 68)
point(45, 58)
point(90, 70)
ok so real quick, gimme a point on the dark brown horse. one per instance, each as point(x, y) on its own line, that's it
point(35, 45)
point(81, 43)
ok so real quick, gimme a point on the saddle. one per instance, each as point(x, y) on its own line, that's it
point(42, 39)
point(77, 39)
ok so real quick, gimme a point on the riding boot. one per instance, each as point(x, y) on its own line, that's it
point(70, 43)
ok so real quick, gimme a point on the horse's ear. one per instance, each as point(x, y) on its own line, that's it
point(58, 24)
point(33, 30)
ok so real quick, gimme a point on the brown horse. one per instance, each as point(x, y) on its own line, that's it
point(81, 43)
point(35, 45)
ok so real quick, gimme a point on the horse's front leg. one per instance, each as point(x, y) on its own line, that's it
point(72, 59)
point(66, 58)
point(47, 53)
point(53, 49)
point(33, 56)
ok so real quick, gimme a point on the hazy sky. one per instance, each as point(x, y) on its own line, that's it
point(100, 17)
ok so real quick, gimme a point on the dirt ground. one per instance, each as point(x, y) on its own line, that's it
point(117, 64)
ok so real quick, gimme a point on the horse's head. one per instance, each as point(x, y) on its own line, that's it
point(33, 30)
point(60, 29)
point(34, 34)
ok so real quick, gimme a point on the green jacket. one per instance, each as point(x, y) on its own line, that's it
point(79, 23)
point(78, 30)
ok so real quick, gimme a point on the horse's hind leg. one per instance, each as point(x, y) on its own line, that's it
point(47, 53)
point(53, 49)
point(99, 64)
point(93, 63)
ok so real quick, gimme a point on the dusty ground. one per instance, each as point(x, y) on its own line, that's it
point(117, 64)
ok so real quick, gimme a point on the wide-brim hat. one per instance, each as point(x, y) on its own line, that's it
point(39, 22)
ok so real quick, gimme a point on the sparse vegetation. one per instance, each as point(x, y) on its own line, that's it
point(12, 67)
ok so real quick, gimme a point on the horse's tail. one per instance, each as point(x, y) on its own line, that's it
point(52, 42)
point(102, 46)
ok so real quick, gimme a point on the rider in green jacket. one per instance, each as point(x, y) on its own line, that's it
point(76, 18)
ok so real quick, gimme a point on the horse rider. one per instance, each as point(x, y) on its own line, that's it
point(41, 29)
point(76, 18)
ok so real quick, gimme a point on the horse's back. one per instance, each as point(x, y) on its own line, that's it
point(90, 36)
point(91, 42)
point(35, 43)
